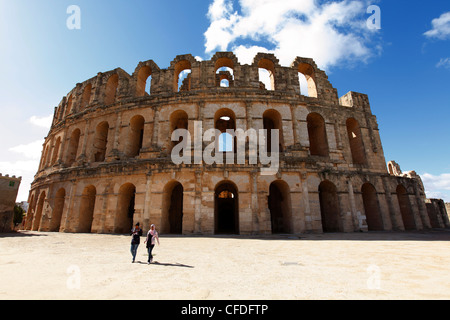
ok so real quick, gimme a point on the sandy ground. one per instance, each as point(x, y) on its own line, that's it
point(60, 266)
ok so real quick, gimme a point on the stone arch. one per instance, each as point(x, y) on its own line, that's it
point(224, 68)
point(172, 208)
point(72, 149)
point(371, 207)
point(280, 207)
point(143, 75)
point(272, 120)
point(86, 97)
point(111, 89)
point(269, 67)
point(266, 64)
point(308, 71)
point(179, 119)
point(55, 153)
point(58, 208)
point(135, 136)
point(318, 143)
point(225, 119)
point(356, 141)
point(38, 213)
point(100, 141)
point(125, 208)
point(87, 205)
point(329, 207)
point(180, 83)
point(226, 208)
point(405, 208)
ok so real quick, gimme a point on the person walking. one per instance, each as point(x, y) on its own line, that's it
point(152, 236)
point(136, 234)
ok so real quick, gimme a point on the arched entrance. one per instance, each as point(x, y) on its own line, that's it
point(172, 217)
point(371, 208)
point(280, 207)
point(125, 208)
point(226, 209)
point(87, 209)
point(38, 213)
point(58, 210)
point(329, 207)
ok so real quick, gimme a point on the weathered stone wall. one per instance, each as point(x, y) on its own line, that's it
point(106, 160)
point(9, 186)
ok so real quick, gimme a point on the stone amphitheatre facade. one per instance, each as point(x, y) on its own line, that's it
point(106, 162)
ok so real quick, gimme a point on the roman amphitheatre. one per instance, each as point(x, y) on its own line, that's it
point(106, 162)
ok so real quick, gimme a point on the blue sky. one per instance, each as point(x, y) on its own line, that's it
point(404, 67)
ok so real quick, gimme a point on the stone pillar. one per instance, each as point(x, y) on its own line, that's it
point(254, 203)
point(198, 202)
point(295, 127)
point(147, 202)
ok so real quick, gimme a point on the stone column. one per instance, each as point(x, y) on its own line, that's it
point(295, 127)
point(198, 202)
point(254, 203)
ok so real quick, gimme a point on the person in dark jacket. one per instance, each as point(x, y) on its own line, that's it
point(136, 234)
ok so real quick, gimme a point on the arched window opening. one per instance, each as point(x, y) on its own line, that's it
point(111, 89)
point(329, 207)
point(226, 120)
point(182, 76)
point(72, 150)
point(356, 142)
point(266, 71)
point(125, 208)
point(303, 84)
point(178, 120)
point(100, 141)
point(86, 97)
point(143, 81)
point(309, 75)
point(279, 202)
point(318, 144)
point(224, 83)
point(225, 77)
point(56, 151)
point(272, 121)
point(405, 208)
point(87, 205)
point(135, 137)
point(226, 209)
point(371, 208)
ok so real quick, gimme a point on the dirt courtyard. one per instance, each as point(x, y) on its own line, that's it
point(384, 265)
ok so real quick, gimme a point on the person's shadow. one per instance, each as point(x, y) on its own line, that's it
point(156, 263)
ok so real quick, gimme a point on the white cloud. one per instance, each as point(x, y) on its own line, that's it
point(443, 63)
point(437, 186)
point(328, 33)
point(44, 122)
point(441, 27)
point(31, 150)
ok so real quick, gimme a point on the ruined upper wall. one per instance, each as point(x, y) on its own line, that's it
point(117, 85)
